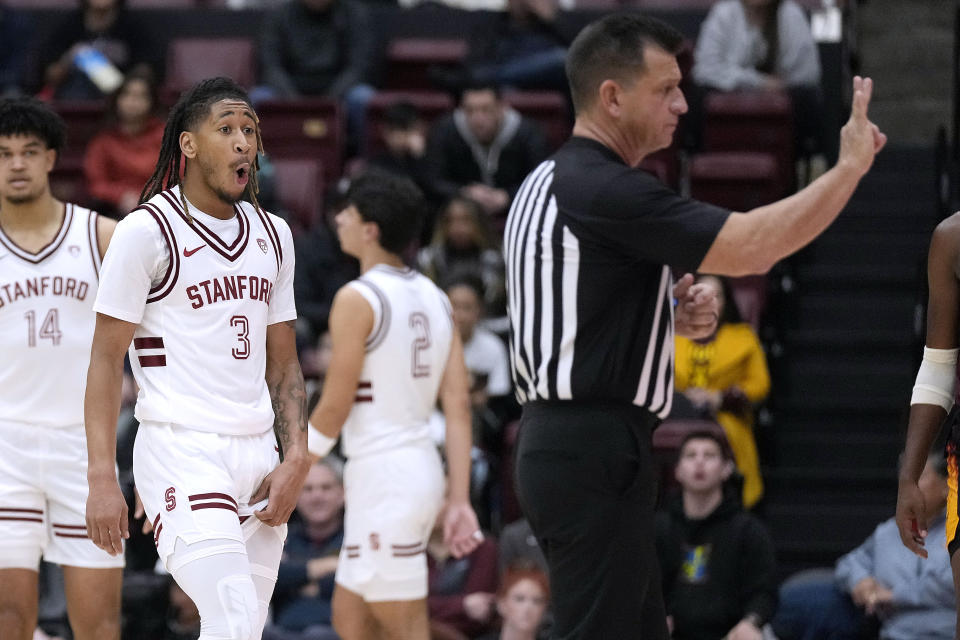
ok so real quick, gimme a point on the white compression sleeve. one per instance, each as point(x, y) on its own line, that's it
point(936, 378)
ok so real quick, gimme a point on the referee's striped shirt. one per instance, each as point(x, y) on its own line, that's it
point(589, 245)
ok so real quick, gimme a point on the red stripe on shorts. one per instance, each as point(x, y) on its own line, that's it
point(208, 496)
point(148, 343)
point(21, 519)
point(152, 361)
point(70, 535)
point(214, 505)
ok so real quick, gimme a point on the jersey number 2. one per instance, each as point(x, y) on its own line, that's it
point(49, 328)
point(420, 324)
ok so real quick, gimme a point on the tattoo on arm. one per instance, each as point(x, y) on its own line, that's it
point(289, 398)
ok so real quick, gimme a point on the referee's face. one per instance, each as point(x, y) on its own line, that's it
point(652, 104)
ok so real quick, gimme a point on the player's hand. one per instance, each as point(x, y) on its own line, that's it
point(461, 531)
point(107, 515)
point(912, 517)
point(281, 487)
point(697, 311)
point(860, 139)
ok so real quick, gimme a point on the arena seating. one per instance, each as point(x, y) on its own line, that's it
point(299, 183)
point(84, 120)
point(753, 121)
point(548, 108)
point(305, 128)
point(190, 60)
point(737, 180)
point(408, 61)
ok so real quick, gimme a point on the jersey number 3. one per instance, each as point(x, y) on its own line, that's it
point(420, 366)
point(242, 351)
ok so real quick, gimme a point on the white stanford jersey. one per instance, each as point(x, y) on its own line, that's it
point(46, 323)
point(203, 302)
point(407, 353)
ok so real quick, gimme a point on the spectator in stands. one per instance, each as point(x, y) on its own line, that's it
point(461, 591)
point(483, 150)
point(14, 30)
point(524, 49)
point(105, 26)
point(880, 583)
point(521, 603)
point(724, 376)
point(120, 159)
point(717, 561)
point(484, 353)
point(320, 48)
point(304, 591)
point(462, 243)
point(518, 546)
point(321, 269)
point(764, 45)
point(405, 141)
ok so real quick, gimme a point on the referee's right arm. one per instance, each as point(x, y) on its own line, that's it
point(754, 241)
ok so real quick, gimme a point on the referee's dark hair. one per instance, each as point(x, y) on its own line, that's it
point(612, 48)
point(394, 203)
point(30, 117)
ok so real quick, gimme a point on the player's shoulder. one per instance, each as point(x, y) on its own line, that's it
point(946, 236)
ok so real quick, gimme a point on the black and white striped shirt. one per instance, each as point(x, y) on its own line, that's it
point(589, 245)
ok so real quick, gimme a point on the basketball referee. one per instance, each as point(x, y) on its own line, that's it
point(591, 244)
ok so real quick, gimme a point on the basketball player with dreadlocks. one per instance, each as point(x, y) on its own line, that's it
point(50, 254)
point(198, 284)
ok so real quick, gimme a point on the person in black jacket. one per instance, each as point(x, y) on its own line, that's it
point(717, 561)
point(483, 150)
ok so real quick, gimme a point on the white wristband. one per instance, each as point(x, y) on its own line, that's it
point(317, 443)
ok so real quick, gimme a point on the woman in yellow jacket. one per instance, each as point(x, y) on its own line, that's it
point(725, 375)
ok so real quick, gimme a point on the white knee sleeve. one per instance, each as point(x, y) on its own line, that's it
point(238, 599)
point(937, 378)
point(217, 579)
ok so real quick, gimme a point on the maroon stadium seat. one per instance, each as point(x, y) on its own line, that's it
point(408, 60)
point(84, 120)
point(431, 105)
point(300, 189)
point(752, 121)
point(750, 295)
point(304, 128)
point(160, 4)
point(68, 183)
point(190, 60)
point(548, 108)
point(41, 4)
point(737, 180)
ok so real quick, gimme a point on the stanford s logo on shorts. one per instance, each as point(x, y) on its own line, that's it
point(170, 499)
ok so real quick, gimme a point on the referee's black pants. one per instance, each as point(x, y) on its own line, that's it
point(587, 482)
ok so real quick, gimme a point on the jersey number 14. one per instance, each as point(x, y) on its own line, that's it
point(49, 328)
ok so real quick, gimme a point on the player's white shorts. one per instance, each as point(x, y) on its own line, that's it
point(392, 501)
point(197, 486)
point(43, 498)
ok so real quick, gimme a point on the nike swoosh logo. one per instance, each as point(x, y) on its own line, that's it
point(189, 252)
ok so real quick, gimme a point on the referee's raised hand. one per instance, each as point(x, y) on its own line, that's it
point(860, 139)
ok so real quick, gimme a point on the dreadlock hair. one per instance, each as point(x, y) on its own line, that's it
point(192, 107)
